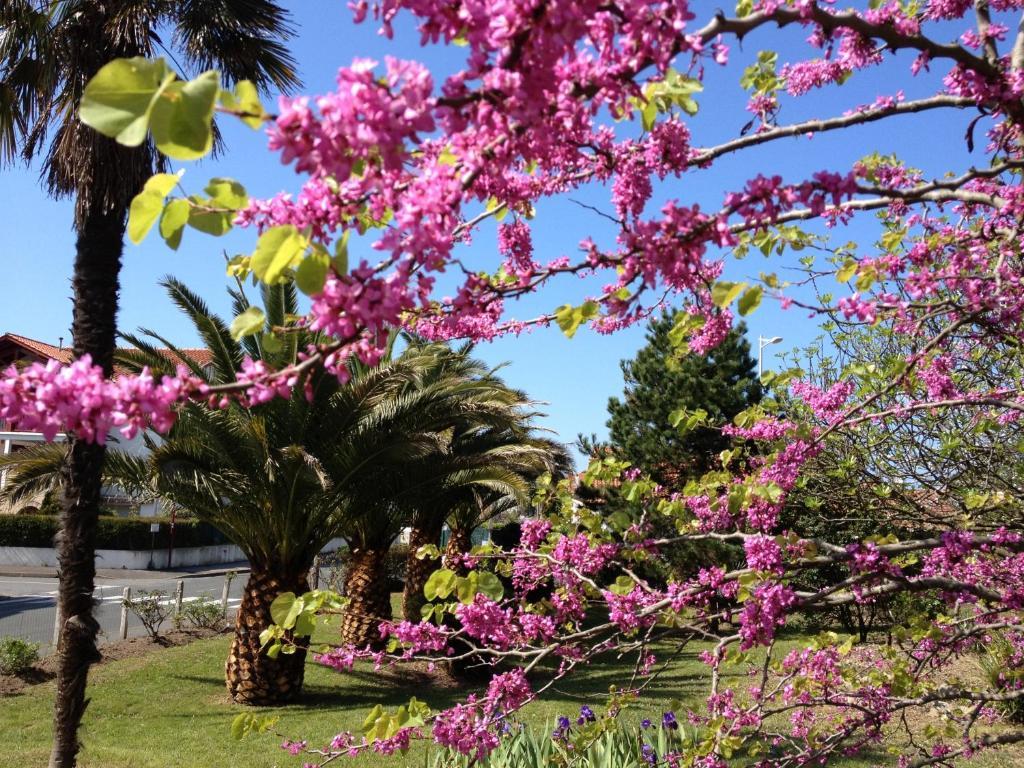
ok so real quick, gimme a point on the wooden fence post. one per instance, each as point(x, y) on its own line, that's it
point(224, 595)
point(56, 626)
point(125, 597)
point(179, 593)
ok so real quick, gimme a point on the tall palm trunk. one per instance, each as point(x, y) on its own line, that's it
point(95, 285)
point(459, 543)
point(366, 587)
point(418, 570)
point(252, 677)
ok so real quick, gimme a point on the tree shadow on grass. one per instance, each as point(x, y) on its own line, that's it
point(686, 679)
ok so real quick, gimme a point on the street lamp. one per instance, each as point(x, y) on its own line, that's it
point(762, 342)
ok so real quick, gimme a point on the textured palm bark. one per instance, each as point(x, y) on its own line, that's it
point(252, 677)
point(95, 285)
point(366, 587)
point(418, 570)
point(459, 543)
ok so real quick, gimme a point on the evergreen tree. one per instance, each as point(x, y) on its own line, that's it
point(659, 381)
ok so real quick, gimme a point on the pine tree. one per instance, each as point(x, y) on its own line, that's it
point(659, 381)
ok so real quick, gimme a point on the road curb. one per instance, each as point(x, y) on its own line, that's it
point(119, 573)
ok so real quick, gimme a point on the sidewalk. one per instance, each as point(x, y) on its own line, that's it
point(123, 573)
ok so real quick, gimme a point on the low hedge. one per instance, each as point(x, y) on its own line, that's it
point(111, 533)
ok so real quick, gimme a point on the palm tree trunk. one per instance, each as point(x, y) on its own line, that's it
point(418, 570)
point(366, 587)
point(95, 285)
point(252, 677)
point(459, 543)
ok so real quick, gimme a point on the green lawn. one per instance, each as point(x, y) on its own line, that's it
point(170, 708)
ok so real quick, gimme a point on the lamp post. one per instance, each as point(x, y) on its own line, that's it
point(762, 342)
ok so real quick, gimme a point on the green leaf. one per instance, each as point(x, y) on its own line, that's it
point(249, 323)
point(724, 293)
point(271, 344)
point(312, 272)
point(239, 725)
point(119, 100)
point(466, 587)
point(848, 270)
point(649, 115)
point(281, 607)
point(305, 623)
point(227, 193)
point(145, 209)
point(440, 584)
point(147, 206)
point(750, 300)
point(245, 99)
point(569, 318)
point(182, 120)
point(490, 585)
point(162, 183)
point(430, 551)
point(214, 223)
point(340, 259)
point(173, 221)
point(371, 719)
point(278, 250)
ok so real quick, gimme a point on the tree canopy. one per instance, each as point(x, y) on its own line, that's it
point(660, 382)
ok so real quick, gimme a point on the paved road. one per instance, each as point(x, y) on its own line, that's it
point(28, 603)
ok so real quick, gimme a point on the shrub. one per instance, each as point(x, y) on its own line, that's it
point(200, 613)
point(17, 655)
point(111, 532)
point(152, 608)
point(1002, 662)
point(628, 747)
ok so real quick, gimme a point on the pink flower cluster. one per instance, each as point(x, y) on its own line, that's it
point(78, 398)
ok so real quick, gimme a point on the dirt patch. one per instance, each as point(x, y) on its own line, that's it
point(46, 669)
point(419, 673)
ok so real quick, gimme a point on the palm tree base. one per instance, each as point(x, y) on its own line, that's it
point(366, 587)
point(252, 677)
point(459, 544)
point(418, 570)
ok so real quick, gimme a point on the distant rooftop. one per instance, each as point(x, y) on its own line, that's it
point(14, 348)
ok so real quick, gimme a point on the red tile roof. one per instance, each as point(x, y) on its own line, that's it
point(41, 348)
point(201, 357)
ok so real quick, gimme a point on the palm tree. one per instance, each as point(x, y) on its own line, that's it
point(527, 454)
point(283, 478)
point(489, 467)
point(49, 50)
point(464, 395)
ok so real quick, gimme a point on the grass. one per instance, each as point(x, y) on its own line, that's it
point(170, 708)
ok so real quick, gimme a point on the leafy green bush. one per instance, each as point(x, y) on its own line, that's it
point(152, 608)
point(201, 613)
point(1003, 667)
point(593, 746)
point(111, 532)
point(17, 655)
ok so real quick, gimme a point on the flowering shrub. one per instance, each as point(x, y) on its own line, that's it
point(17, 655)
point(557, 95)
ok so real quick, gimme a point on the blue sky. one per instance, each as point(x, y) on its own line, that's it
point(573, 377)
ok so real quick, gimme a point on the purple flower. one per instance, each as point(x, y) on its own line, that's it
point(648, 754)
point(586, 714)
point(669, 721)
point(645, 723)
